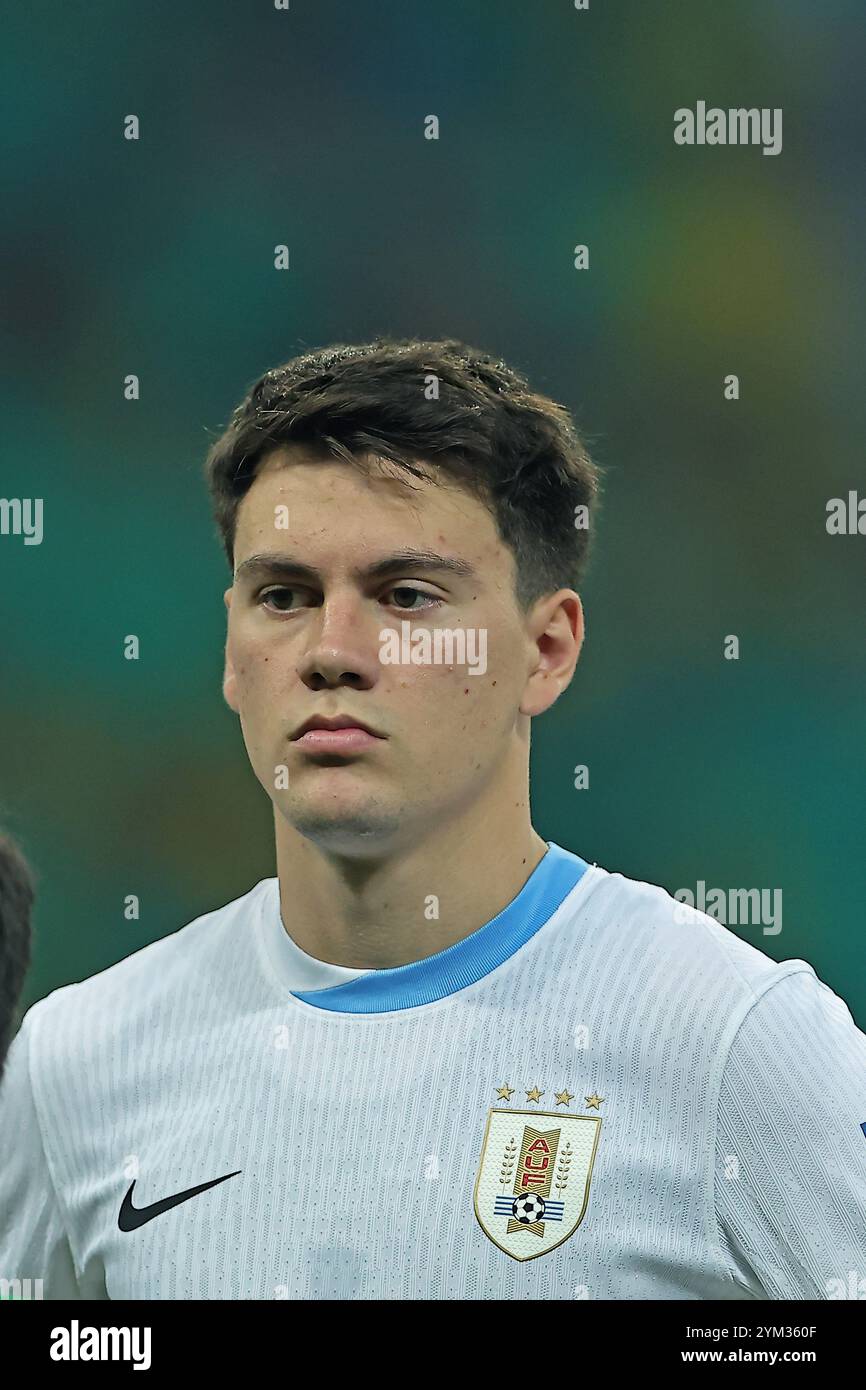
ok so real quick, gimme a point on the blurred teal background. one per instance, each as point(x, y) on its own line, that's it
point(260, 127)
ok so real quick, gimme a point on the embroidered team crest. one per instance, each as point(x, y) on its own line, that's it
point(532, 1188)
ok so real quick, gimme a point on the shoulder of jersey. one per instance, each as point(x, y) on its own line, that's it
point(627, 915)
point(144, 983)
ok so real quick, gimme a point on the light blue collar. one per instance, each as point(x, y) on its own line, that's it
point(424, 981)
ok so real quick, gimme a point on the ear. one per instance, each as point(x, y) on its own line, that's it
point(229, 680)
point(557, 631)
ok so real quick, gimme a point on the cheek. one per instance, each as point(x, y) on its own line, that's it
point(256, 677)
point(262, 717)
point(451, 699)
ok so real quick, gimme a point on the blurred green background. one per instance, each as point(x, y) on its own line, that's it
point(260, 127)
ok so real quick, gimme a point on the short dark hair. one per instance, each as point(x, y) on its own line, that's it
point(16, 902)
point(516, 450)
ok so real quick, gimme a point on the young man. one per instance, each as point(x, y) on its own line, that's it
point(435, 1057)
point(16, 904)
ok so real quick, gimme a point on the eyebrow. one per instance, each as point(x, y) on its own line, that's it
point(400, 562)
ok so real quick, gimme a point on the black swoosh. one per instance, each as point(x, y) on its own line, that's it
point(129, 1218)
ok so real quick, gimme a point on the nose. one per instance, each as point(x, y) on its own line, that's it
point(344, 645)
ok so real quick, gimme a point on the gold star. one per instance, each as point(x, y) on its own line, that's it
point(534, 1094)
point(563, 1097)
point(593, 1101)
point(505, 1092)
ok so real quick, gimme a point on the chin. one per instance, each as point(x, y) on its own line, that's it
point(345, 828)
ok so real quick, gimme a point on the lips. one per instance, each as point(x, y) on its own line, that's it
point(351, 739)
point(333, 725)
point(340, 733)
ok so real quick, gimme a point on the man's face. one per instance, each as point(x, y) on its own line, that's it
point(307, 644)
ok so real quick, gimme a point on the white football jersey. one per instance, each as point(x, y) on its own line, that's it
point(587, 1097)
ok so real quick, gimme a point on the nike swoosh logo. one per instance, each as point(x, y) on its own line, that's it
point(129, 1218)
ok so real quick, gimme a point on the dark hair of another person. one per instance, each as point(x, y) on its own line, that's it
point(16, 903)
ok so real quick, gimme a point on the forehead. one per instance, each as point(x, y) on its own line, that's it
point(328, 505)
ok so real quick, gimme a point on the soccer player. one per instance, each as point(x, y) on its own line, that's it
point(436, 1056)
point(16, 904)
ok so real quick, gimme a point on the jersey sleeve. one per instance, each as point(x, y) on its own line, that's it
point(790, 1152)
point(33, 1239)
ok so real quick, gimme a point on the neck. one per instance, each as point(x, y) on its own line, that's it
point(414, 900)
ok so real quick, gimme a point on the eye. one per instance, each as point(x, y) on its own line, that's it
point(418, 593)
point(275, 593)
point(278, 598)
